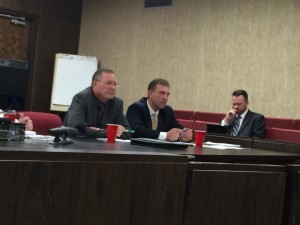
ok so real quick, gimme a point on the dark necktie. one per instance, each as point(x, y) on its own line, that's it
point(100, 115)
point(236, 126)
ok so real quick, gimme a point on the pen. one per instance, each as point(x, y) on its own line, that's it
point(129, 131)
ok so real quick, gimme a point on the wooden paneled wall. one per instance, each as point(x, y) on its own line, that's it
point(55, 29)
point(14, 40)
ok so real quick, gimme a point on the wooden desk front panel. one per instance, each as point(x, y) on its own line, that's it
point(276, 146)
point(110, 193)
point(292, 200)
point(233, 197)
point(295, 211)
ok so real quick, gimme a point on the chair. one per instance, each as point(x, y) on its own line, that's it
point(43, 122)
point(199, 125)
point(184, 114)
point(267, 130)
point(296, 125)
point(283, 123)
point(285, 135)
point(209, 116)
point(186, 123)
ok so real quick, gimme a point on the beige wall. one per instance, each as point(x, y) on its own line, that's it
point(205, 48)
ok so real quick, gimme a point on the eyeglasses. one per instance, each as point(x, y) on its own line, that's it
point(110, 83)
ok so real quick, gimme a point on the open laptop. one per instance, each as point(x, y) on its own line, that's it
point(216, 129)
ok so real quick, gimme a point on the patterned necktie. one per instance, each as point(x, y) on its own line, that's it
point(236, 126)
point(154, 121)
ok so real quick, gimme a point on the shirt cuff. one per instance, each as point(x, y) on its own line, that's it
point(223, 123)
point(162, 136)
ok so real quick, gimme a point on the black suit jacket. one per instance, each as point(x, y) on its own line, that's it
point(253, 125)
point(139, 119)
point(84, 113)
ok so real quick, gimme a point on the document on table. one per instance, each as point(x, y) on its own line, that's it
point(149, 140)
point(117, 140)
point(160, 143)
point(33, 135)
point(209, 144)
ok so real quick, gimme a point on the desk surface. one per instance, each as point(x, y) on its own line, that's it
point(94, 150)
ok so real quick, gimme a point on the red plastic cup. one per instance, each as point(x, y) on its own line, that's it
point(11, 114)
point(111, 130)
point(199, 137)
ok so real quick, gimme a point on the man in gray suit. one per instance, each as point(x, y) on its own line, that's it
point(240, 121)
point(94, 107)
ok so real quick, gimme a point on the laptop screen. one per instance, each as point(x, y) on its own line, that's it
point(216, 129)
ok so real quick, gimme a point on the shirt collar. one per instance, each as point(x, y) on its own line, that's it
point(244, 114)
point(151, 110)
point(98, 101)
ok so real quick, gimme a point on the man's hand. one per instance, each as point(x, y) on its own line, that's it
point(230, 115)
point(120, 130)
point(27, 121)
point(173, 134)
point(186, 135)
point(95, 128)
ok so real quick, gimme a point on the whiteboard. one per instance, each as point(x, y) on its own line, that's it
point(72, 74)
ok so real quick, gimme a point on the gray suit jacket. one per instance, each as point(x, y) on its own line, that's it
point(87, 111)
point(253, 126)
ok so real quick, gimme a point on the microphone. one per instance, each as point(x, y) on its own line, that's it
point(64, 131)
point(61, 134)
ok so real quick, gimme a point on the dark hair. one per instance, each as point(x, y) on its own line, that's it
point(153, 83)
point(97, 75)
point(237, 93)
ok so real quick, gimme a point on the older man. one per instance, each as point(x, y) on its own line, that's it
point(96, 106)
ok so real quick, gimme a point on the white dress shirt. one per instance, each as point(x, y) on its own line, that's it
point(162, 135)
point(223, 123)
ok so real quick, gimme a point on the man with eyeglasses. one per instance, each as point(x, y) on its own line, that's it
point(94, 107)
point(242, 122)
point(151, 117)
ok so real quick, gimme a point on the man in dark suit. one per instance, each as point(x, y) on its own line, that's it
point(94, 107)
point(240, 121)
point(151, 117)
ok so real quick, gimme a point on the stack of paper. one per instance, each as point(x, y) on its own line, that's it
point(209, 144)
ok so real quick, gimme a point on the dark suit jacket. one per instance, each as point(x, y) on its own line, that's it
point(139, 118)
point(84, 112)
point(253, 126)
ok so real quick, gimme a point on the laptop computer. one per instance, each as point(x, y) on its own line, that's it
point(216, 129)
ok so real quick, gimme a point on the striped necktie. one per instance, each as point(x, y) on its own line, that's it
point(236, 126)
point(154, 121)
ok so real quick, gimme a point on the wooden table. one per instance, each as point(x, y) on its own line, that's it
point(90, 150)
point(90, 182)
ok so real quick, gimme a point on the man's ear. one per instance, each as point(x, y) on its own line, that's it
point(149, 93)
